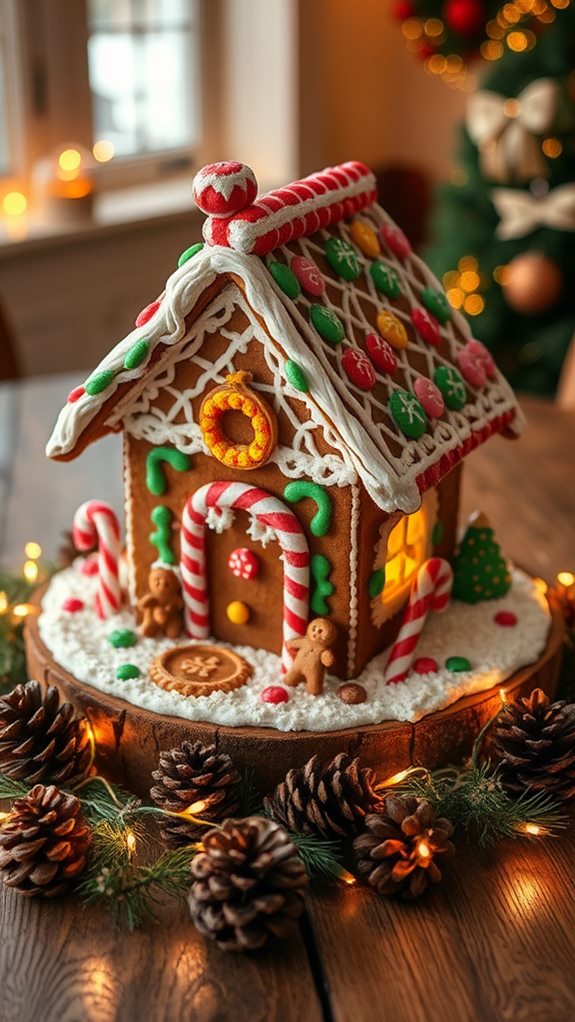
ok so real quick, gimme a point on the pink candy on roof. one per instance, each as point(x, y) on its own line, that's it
point(298, 209)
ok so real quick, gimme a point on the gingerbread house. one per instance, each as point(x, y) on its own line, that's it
point(295, 406)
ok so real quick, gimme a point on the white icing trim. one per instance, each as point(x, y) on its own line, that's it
point(353, 593)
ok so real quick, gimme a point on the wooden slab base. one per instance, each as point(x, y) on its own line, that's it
point(129, 739)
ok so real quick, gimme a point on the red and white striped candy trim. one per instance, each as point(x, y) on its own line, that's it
point(222, 189)
point(268, 511)
point(296, 210)
point(431, 591)
point(95, 522)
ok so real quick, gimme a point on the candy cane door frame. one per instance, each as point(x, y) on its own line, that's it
point(269, 512)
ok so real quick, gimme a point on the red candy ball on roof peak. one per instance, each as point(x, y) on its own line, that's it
point(222, 189)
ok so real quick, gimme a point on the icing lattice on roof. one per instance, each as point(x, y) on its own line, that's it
point(383, 415)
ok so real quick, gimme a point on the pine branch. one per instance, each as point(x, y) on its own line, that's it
point(322, 859)
point(11, 789)
point(475, 802)
point(251, 802)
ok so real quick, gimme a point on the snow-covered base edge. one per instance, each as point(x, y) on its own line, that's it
point(79, 643)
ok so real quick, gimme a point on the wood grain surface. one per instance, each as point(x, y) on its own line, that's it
point(494, 943)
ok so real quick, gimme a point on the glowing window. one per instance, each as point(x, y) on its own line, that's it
point(401, 551)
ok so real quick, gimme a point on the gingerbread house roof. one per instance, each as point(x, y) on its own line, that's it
point(360, 327)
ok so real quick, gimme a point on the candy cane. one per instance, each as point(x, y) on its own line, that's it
point(269, 512)
point(96, 522)
point(431, 591)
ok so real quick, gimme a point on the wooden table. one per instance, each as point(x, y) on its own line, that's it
point(495, 942)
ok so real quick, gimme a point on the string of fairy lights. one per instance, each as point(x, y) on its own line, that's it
point(514, 27)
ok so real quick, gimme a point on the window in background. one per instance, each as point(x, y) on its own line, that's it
point(143, 67)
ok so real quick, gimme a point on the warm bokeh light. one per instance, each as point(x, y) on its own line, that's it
point(491, 50)
point(195, 808)
point(433, 27)
point(423, 850)
point(412, 28)
point(503, 695)
point(468, 262)
point(69, 160)
point(533, 829)
point(4, 602)
point(347, 878)
point(14, 204)
point(455, 297)
point(30, 571)
point(501, 275)
point(473, 305)
point(33, 550)
point(103, 150)
point(469, 281)
point(552, 148)
point(566, 578)
point(21, 610)
point(130, 841)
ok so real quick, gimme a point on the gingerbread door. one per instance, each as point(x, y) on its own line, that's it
point(237, 588)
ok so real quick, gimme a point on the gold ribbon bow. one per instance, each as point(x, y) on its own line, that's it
point(505, 130)
point(521, 212)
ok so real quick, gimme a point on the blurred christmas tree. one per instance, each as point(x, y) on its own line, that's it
point(504, 229)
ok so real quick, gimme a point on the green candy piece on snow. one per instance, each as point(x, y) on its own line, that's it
point(96, 384)
point(122, 638)
point(328, 325)
point(451, 385)
point(126, 671)
point(437, 303)
point(296, 376)
point(458, 663)
point(155, 475)
point(342, 258)
point(303, 489)
point(137, 354)
point(376, 583)
point(189, 252)
point(285, 278)
point(408, 414)
point(322, 588)
point(386, 279)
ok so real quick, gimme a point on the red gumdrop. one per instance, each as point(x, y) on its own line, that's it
point(75, 394)
point(275, 694)
point(425, 665)
point(381, 353)
point(505, 618)
point(395, 239)
point(72, 605)
point(426, 326)
point(358, 368)
point(146, 314)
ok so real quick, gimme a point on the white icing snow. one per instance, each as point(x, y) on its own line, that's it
point(79, 642)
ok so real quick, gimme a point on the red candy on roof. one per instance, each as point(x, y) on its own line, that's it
point(222, 189)
point(297, 210)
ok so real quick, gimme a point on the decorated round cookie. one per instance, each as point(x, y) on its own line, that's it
point(437, 303)
point(451, 386)
point(365, 238)
point(426, 326)
point(236, 395)
point(471, 366)
point(386, 279)
point(392, 329)
point(328, 325)
point(222, 189)
point(358, 368)
point(395, 239)
point(308, 274)
point(408, 414)
point(244, 563)
point(381, 353)
point(342, 258)
point(430, 397)
point(199, 670)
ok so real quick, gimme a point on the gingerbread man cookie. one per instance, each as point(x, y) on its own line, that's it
point(313, 655)
point(161, 607)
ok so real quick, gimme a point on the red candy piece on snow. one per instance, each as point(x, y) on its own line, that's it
point(395, 240)
point(75, 394)
point(358, 368)
point(243, 563)
point(472, 366)
point(482, 353)
point(505, 618)
point(309, 275)
point(275, 694)
point(425, 665)
point(146, 314)
point(381, 353)
point(427, 326)
point(429, 396)
point(89, 566)
point(222, 189)
point(72, 605)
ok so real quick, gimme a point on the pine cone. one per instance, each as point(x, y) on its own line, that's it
point(248, 884)
point(40, 737)
point(198, 778)
point(534, 743)
point(68, 552)
point(397, 852)
point(43, 843)
point(328, 800)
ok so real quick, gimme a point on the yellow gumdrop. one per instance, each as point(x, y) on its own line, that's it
point(392, 329)
point(365, 238)
point(238, 612)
